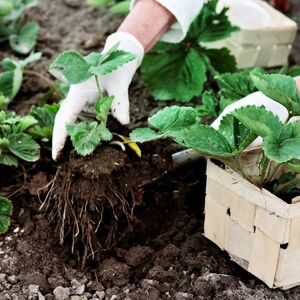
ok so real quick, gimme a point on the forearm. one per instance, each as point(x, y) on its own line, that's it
point(148, 21)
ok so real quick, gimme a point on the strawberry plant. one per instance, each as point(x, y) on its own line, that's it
point(231, 87)
point(12, 77)
point(5, 212)
point(22, 37)
point(281, 142)
point(115, 6)
point(73, 68)
point(15, 142)
point(179, 71)
point(45, 116)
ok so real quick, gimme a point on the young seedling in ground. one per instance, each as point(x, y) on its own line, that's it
point(45, 116)
point(22, 37)
point(281, 142)
point(179, 71)
point(12, 77)
point(70, 66)
point(5, 212)
point(15, 142)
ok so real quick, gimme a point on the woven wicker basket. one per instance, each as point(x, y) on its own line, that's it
point(259, 231)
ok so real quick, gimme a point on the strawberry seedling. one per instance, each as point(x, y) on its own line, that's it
point(15, 142)
point(73, 68)
point(281, 142)
point(12, 76)
point(22, 37)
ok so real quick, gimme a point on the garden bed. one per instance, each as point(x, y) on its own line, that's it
point(165, 255)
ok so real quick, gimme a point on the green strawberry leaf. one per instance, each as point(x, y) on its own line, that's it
point(234, 86)
point(25, 40)
point(175, 75)
point(87, 135)
point(280, 88)
point(8, 160)
point(70, 66)
point(112, 62)
point(141, 135)
point(211, 25)
point(281, 151)
point(236, 133)
point(102, 108)
point(207, 141)
point(93, 58)
point(5, 206)
point(259, 120)
point(24, 147)
point(173, 119)
point(221, 60)
point(6, 8)
point(45, 117)
point(4, 224)
point(209, 106)
point(10, 83)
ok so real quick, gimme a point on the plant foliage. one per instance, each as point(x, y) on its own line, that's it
point(179, 71)
point(5, 212)
point(15, 142)
point(11, 77)
point(281, 142)
point(22, 37)
point(72, 67)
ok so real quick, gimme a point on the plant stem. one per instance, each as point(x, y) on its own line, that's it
point(240, 168)
point(264, 164)
point(98, 86)
point(272, 174)
point(44, 78)
point(293, 182)
point(209, 66)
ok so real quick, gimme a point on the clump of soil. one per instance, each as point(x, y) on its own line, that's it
point(92, 199)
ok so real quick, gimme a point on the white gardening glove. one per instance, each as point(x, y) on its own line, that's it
point(257, 99)
point(85, 94)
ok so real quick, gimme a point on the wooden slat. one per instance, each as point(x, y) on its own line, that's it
point(218, 192)
point(238, 241)
point(243, 212)
point(294, 238)
point(276, 227)
point(264, 257)
point(215, 222)
point(288, 270)
point(261, 197)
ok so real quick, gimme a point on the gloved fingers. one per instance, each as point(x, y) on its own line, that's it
point(86, 92)
point(120, 107)
point(63, 117)
point(120, 104)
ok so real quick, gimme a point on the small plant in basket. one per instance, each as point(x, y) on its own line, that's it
point(238, 129)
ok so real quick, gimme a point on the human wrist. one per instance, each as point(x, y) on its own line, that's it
point(139, 22)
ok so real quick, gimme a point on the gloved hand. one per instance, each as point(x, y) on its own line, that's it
point(258, 99)
point(85, 94)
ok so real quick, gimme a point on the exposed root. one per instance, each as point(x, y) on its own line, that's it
point(89, 205)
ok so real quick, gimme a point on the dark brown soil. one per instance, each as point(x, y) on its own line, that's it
point(161, 252)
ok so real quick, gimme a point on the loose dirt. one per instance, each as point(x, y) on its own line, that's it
point(157, 250)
